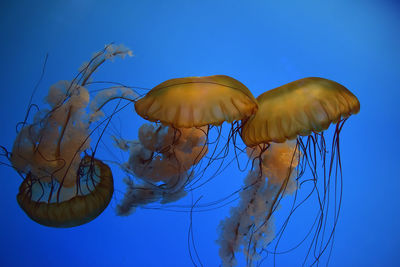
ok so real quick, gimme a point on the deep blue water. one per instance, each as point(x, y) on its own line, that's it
point(264, 44)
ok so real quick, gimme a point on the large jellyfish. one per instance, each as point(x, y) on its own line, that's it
point(167, 153)
point(285, 138)
point(64, 185)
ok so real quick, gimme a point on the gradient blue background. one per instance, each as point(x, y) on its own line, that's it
point(264, 44)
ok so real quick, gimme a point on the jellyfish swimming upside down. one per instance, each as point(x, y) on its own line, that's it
point(64, 184)
point(286, 143)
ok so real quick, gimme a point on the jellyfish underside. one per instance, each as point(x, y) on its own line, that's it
point(79, 205)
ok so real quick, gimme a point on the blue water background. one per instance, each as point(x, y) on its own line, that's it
point(264, 44)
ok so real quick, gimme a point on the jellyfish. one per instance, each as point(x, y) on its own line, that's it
point(76, 205)
point(167, 155)
point(297, 109)
point(64, 183)
point(285, 142)
point(197, 101)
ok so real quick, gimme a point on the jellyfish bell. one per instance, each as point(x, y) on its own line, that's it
point(298, 109)
point(285, 139)
point(197, 101)
point(50, 204)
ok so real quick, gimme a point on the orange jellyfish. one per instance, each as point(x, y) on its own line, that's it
point(167, 153)
point(297, 109)
point(64, 184)
point(197, 101)
point(286, 142)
